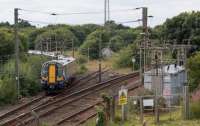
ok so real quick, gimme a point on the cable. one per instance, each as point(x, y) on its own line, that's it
point(75, 13)
point(49, 23)
point(129, 21)
point(40, 22)
point(97, 12)
point(36, 11)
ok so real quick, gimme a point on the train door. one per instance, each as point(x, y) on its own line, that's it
point(52, 74)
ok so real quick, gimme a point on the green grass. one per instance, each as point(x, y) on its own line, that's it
point(173, 119)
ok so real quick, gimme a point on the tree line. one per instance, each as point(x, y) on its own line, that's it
point(122, 40)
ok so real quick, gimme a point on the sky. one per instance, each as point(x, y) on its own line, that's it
point(160, 9)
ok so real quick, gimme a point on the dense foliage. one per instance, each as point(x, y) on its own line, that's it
point(124, 57)
point(8, 92)
point(195, 110)
point(30, 67)
point(120, 39)
point(184, 26)
point(7, 44)
point(193, 66)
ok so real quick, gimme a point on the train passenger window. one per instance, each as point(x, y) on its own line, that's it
point(59, 66)
point(44, 70)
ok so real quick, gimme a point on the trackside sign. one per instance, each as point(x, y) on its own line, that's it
point(123, 97)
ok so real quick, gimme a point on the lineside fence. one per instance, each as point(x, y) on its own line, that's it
point(151, 109)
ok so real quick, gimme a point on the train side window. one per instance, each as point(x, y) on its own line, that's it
point(45, 70)
point(60, 71)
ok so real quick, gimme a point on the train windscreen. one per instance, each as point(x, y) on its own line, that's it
point(52, 73)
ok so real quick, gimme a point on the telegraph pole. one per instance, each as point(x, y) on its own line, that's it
point(156, 90)
point(100, 42)
point(141, 71)
point(108, 10)
point(88, 54)
point(105, 11)
point(16, 51)
point(145, 31)
point(100, 58)
point(143, 43)
point(73, 47)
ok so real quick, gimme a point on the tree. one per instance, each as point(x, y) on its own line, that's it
point(79, 32)
point(24, 24)
point(92, 41)
point(89, 28)
point(7, 42)
point(122, 59)
point(116, 43)
point(113, 26)
point(61, 36)
point(33, 36)
point(5, 24)
point(184, 26)
point(194, 71)
point(128, 35)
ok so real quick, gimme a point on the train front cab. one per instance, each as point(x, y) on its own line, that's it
point(54, 77)
point(52, 74)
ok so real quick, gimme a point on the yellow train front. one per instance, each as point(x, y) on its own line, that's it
point(57, 74)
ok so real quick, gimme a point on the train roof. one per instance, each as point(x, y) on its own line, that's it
point(64, 61)
point(38, 52)
point(60, 58)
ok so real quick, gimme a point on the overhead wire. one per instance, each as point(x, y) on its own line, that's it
point(125, 22)
point(49, 23)
point(35, 11)
point(40, 22)
point(75, 13)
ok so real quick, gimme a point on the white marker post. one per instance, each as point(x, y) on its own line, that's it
point(133, 61)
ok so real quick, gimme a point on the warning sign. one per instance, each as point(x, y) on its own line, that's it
point(123, 97)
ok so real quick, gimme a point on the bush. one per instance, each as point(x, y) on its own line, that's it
point(116, 43)
point(193, 64)
point(8, 93)
point(92, 41)
point(81, 59)
point(195, 110)
point(30, 68)
point(6, 41)
point(123, 58)
point(101, 121)
point(82, 69)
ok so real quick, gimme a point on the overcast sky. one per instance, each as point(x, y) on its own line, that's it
point(160, 9)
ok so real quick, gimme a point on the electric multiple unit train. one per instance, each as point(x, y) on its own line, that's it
point(57, 74)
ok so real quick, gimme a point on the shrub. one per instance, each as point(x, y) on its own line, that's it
point(101, 117)
point(8, 93)
point(81, 59)
point(30, 68)
point(195, 110)
point(82, 69)
point(193, 64)
point(123, 58)
point(92, 41)
point(116, 43)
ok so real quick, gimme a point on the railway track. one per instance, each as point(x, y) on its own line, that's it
point(91, 91)
point(81, 116)
point(45, 99)
point(65, 103)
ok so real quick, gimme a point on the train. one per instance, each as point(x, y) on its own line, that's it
point(57, 74)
